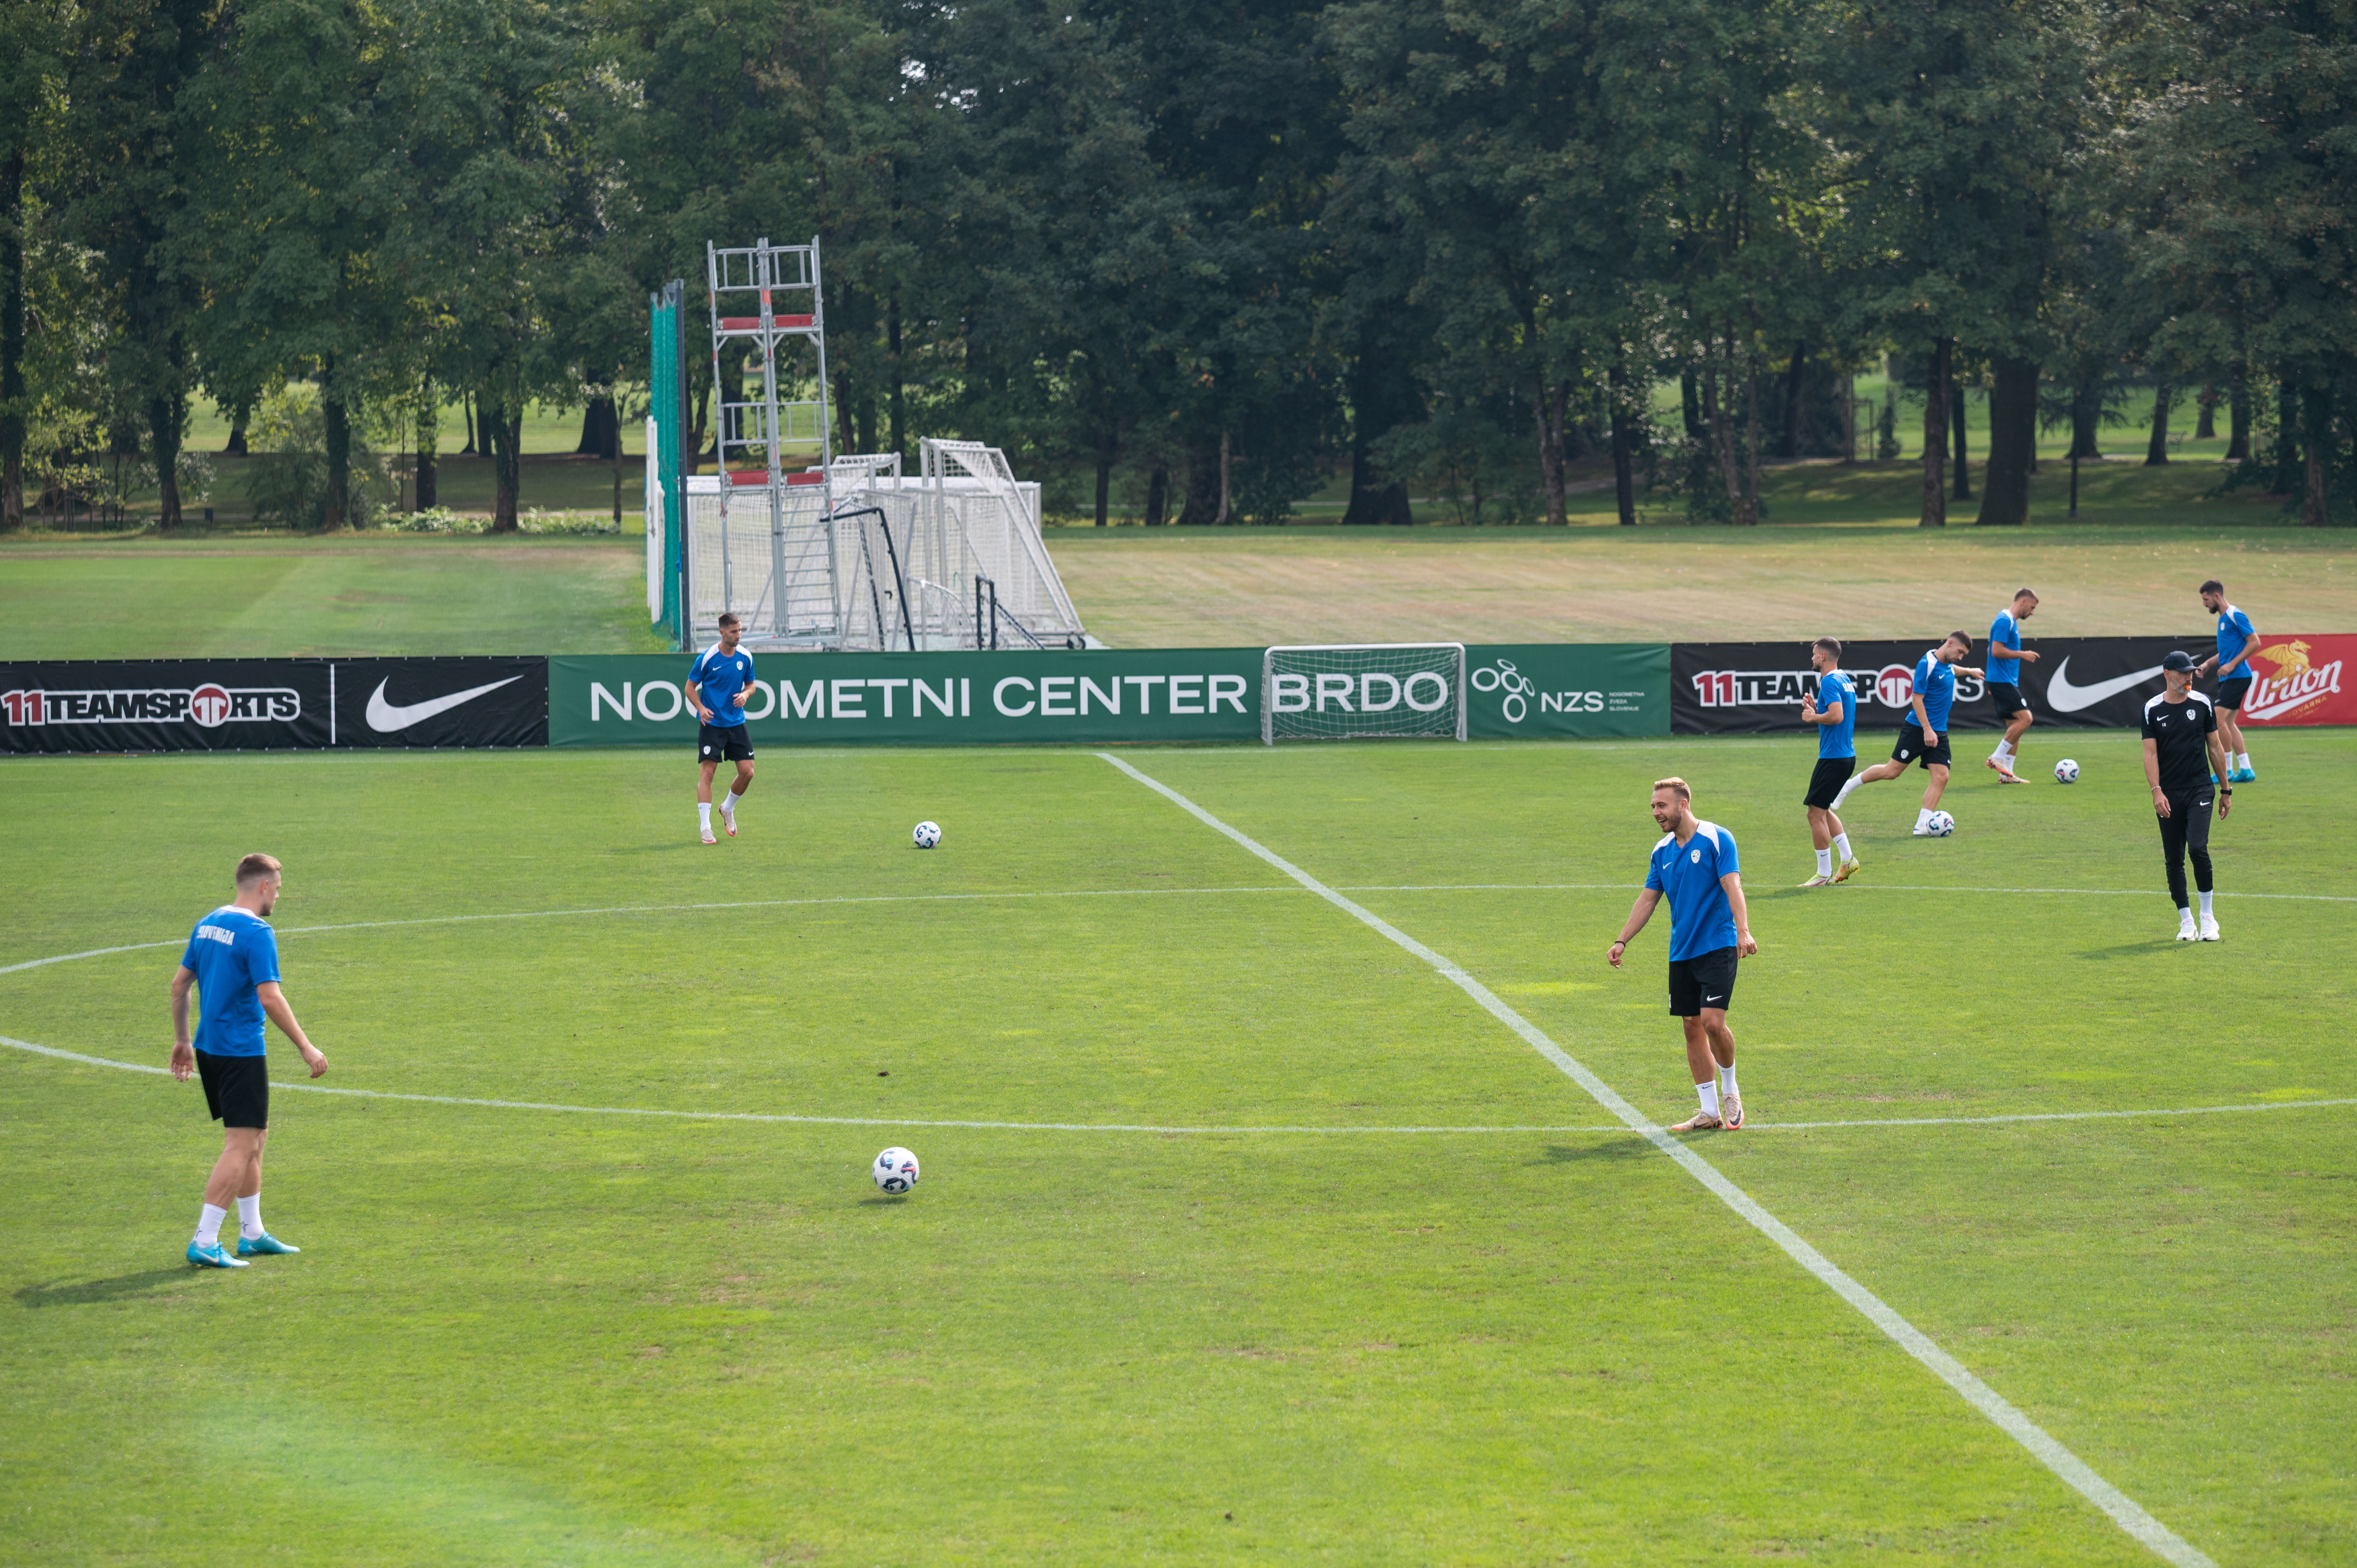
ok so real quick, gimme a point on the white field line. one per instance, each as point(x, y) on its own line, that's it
point(1755, 1124)
point(2123, 1510)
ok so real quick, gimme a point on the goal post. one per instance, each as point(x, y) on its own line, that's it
point(1362, 691)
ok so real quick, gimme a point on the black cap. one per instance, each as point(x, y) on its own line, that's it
point(2179, 661)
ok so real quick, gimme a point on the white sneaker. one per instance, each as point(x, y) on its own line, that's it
point(2185, 932)
point(2208, 927)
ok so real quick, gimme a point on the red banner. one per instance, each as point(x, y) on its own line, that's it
point(2302, 680)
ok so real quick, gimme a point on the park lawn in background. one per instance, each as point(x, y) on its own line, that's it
point(132, 597)
point(520, 1335)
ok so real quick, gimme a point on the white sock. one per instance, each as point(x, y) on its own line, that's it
point(729, 804)
point(249, 1217)
point(1709, 1094)
point(2243, 760)
point(1923, 817)
point(1825, 863)
point(2205, 906)
point(1841, 846)
point(1727, 1081)
point(704, 814)
point(209, 1224)
point(2004, 753)
point(2184, 918)
point(1846, 790)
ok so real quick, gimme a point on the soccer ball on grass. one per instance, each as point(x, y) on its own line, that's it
point(1940, 826)
point(2066, 773)
point(927, 834)
point(895, 1170)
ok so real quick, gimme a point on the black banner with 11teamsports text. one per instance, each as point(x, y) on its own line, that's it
point(1755, 688)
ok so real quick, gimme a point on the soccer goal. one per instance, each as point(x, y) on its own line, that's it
point(1362, 691)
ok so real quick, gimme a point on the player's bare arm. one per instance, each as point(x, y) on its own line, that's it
point(695, 701)
point(2152, 776)
point(274, 1005)
point(1923, 721)
point(1639, 913)
point(1745, 946)
point(2218, 766)
point(184, 1055)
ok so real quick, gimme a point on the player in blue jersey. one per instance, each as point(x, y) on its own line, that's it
point(1694, 867)
point(233, 963)
point(1832, 708)
point(2005, 658)
point(717, 685)
point(1923, 738)
point(2237, 640)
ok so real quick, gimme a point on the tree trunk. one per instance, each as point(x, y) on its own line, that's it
point(12, 341)
point(2086, 416)
point(2156, 450)
point(1157, 495)
point(1104, 485)
point(2289, 475)
point(235, 446)
point(1956, 418)
point(2013, 441)
point(165, 417)
point(1202, 503)
point(1624, 476)
point(336, 419)
point(505, 427)
point(1690, 402)
point(599, 429)
point(2315, 501)
point(429, 421)
point(1935, 435)
point(2205, 427)
point(2238, 416)
point(467, 412)
point(1749, 514)
point(1548, 411)
point(1790, 446)
point(1227, 507)
point(1384, 396)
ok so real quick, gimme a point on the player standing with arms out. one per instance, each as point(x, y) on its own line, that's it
point(232, 961)
point(2005, 658)
point(1924, 738)
point(2237, 640)
point(2183, 755)
point(1694, 865)
point(1836, 722)
point(717, 685)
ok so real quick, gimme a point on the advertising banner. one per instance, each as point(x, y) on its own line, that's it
point(1568, 688)
point(1736, 687)
point(270, 704)
point(2301, 681)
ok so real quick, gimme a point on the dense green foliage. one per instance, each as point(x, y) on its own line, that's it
point(1216, 250)
point(522, 1336)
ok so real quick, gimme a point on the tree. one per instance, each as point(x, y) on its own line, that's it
point(32, 75)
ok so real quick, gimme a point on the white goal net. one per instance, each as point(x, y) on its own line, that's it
point(1362, 691)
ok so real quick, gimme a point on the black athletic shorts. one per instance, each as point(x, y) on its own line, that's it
point(1705, 980)
point(1831, 773)
point(237, 1089)
point(2007, 699)
point(2231, 692)
point(713, 743)
point(1910, 748)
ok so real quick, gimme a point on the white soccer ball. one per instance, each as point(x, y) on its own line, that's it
point(927, 835)
point(1940, 825)
point(2066, 773)
point(895, 1171)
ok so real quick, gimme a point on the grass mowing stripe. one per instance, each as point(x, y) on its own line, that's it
point(2076, 1472)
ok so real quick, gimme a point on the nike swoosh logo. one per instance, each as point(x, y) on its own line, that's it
point(386, 717)
point(1712, 999)
point(2065, 698)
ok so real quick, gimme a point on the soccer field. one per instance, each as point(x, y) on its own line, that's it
point(1246, 1232)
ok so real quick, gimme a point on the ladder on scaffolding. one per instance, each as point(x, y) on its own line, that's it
point(766, 298)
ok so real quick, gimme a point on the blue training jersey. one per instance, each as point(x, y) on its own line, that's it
point(2235, 629)
point(1935, 683)
point(231, 951)
point(1701, 920)
point(722, 679)
point(1837, 740)
point(2004, 633)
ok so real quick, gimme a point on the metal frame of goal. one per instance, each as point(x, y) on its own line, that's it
point(1362, 691)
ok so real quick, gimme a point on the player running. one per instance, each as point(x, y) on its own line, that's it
point(1836, 723)
point(717, 683)
point(1694, 864)
point(2182, 756)
point(2005, 658)
point(1924, 738)
point(2237, 640)
point(232, 960)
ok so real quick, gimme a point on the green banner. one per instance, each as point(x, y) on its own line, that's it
point(1096, 696)
point(1568, 688)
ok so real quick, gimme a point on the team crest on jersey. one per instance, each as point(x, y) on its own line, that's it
point(1694, 855)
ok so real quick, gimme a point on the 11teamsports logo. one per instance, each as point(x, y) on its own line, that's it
point(1892, 686)
point(209, 705)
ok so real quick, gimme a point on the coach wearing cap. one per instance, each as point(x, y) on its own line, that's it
point(2184, 760)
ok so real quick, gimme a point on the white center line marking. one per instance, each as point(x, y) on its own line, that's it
point(2123, 1510)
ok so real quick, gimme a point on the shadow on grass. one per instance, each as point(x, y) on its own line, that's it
point(2132, 950)
point(1611, 1146)
point(118, 1288)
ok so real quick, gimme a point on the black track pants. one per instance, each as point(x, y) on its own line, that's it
point(2186, 830)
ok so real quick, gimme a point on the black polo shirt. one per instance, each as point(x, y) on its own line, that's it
point(2180, 734)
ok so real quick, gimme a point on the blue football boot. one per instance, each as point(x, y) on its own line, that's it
point(212, 1257)
point(264, 1246)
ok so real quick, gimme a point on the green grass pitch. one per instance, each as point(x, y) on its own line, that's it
point(529, 1336)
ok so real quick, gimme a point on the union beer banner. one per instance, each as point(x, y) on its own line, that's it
point(2301, 681)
